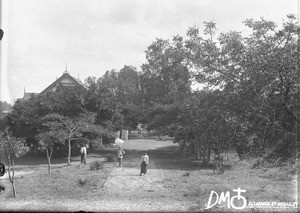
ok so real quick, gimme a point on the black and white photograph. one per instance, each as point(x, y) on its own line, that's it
point(149, 105)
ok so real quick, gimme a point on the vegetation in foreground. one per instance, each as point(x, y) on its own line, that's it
point(77, 182)
point(181, 181)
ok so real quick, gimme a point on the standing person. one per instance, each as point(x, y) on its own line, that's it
point(121, 152)
point(83, 153)
point(144, 163)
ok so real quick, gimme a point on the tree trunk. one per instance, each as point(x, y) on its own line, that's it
point(208, 155)
point(49, 163)
point(9, 163)
point(204, 156)
point(265, 140)
point(14, 189)
point(198, 154)
point(101, 143)
point(13, 178)
point(69, 154)
point(120, 135)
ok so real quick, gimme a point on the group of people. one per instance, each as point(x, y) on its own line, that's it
point(144, 160)
point(120, 153)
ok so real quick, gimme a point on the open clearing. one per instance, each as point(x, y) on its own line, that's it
point(171, 184)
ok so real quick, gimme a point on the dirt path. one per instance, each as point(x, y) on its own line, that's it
point(126, 190)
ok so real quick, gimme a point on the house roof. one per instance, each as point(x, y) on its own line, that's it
point(66, 75)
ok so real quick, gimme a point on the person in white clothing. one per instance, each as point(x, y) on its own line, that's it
point(83, 153)
point(144, 163)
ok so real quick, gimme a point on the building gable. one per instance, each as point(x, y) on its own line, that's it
point(65, 80)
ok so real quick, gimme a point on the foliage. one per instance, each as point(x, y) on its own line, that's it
point(67, 129)
point(47, 140)
point(111, 158)
point(96, 165)
point(165, 78)
point(163, 118)
point(4, 106)
point(250, 99)
point(26, 117)
point(165, 82)
point(67, 101)
point(115, 98)
point(203, 126)
point(14, 148)
point(257, 83)
point(3, 122)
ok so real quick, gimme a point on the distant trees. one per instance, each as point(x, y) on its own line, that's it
point(67, 101)
point(4, 106)
point(25, 119)
point(115, 98)
point(165, 78)
point(3, 121)
point(27, 116)
point(165, 82)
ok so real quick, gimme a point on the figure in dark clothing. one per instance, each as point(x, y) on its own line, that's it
point(83, 153)
point(144, 163)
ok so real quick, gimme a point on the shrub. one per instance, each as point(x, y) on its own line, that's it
point(111, 158)
point(82, 181)
point(96, 165)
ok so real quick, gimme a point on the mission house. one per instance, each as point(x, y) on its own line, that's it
point(65, 80)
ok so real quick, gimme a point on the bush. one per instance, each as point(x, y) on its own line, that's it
point(96, 165)
point(111, 158)
point(82, 181)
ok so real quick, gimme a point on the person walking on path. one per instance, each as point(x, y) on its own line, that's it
point(121, 152)
point(83, 153)
point(144, 163)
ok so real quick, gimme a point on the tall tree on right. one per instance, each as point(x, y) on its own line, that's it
point(258, 76)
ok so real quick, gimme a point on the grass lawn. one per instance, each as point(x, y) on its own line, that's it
point(195, 183)
point(38, 189)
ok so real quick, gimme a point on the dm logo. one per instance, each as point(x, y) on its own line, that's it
point(226, 197)
point(2, 169)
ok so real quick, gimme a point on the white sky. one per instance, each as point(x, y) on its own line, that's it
point(41, 37)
